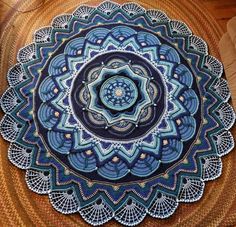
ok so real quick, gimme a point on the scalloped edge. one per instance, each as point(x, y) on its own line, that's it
point(120, 7)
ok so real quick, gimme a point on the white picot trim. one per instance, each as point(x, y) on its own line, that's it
point(83, 12)
point(133, 9)
point(226, 115)
point(64, 201)
point(197, 44)
point(221, 88)
point(108, 7)
point(157, 16)
point(211, 167)
point(191, 189)
point(163, 205)
point(27, 53)
point(16, 75)
point(20, 156)
point(9, 128)
point(224, 142)
point(131, 213)
point(38, 181)
point(179, 28)
point(9, 100)
point(213, 65)
point(62, 21)
point(101, 208)
point(43, 35)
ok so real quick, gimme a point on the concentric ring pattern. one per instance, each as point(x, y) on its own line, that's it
point(117, 112)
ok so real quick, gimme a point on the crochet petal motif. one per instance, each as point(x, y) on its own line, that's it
point(117, 112)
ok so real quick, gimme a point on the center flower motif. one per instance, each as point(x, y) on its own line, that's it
point(119, 93)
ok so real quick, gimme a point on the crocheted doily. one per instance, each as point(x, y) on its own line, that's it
point(117, 112)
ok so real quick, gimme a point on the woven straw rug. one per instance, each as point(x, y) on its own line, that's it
point(22, 207)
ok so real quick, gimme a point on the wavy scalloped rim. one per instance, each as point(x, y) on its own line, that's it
point(131, 212)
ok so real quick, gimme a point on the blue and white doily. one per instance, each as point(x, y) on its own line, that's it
point(117, 112)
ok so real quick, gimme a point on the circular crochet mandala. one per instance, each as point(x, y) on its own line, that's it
point(117, 112)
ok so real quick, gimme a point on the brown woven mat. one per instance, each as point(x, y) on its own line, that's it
point(21, 207)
